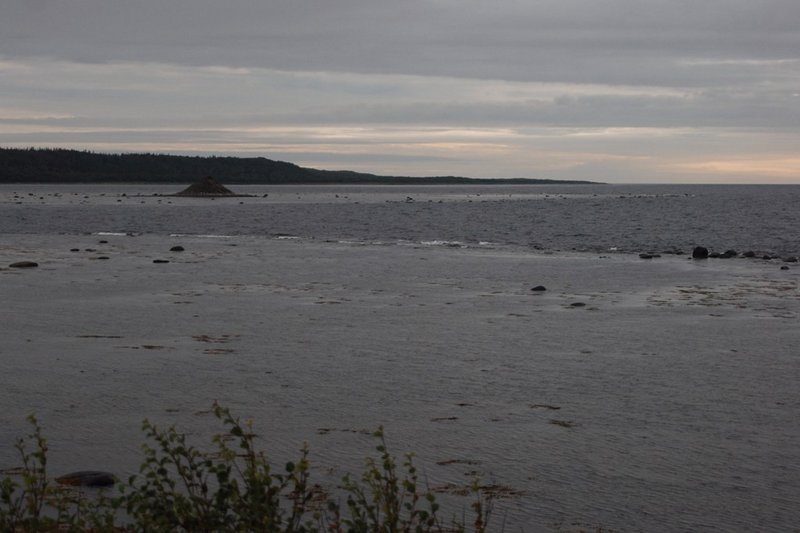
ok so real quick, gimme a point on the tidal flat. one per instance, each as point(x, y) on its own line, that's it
point(666, 401)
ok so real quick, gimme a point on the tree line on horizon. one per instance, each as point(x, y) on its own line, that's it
point(60, 165)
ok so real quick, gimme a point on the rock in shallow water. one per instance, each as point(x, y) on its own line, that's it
point(24, 264)
point(87, 478)
point(539, 288)
point(700, 252)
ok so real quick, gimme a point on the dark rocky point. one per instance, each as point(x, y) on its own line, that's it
point(207, 186)
point(784, 267)
point(539, 288)
point(160, 261)
point(700, 252)
point(578, 304)
point(24, 264)
point(176, 249)
point(87, 478)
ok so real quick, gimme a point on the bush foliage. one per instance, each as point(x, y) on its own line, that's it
point(234, 488)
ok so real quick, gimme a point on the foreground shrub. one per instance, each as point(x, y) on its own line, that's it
point(232, 489)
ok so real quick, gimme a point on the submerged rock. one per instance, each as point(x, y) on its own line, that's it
point(176, 249)
point(539, 288)
point(87, 478)
point(700, 252)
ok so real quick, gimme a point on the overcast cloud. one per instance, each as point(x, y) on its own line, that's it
point(614, 90)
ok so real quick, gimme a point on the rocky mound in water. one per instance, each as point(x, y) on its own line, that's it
point(207, 186)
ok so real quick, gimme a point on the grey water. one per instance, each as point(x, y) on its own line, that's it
point(585, 218)
point(680, 377)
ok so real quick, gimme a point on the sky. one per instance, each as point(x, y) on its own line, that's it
point(622, 91)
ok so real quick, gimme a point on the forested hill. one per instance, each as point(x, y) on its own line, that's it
point(43, 165)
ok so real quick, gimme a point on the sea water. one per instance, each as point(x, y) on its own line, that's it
point(668, 401)
point(593, 218)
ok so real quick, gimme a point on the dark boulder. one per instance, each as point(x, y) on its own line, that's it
point(749, 253)
point(700, 252)
point(784, 267)
point(160, 261)
point(790, 260)
point(176, 249)
point(87, 478)
point(539, 288)
point(728, 254)
point(645, 255)
point(24, 264)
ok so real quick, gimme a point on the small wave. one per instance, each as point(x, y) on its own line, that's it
point(452, 244)
point(201, 235)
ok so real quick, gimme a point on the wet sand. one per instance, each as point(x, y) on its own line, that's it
point(637, 394)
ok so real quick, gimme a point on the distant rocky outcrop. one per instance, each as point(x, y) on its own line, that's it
point(207, 187)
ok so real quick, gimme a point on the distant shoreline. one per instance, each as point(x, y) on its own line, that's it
point(45, 165)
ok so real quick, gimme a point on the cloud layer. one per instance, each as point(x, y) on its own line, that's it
point(620, 90)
